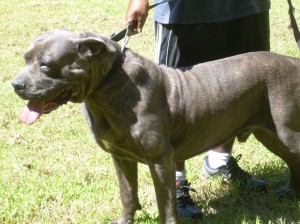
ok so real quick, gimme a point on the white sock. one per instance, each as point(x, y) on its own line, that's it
point(180, 174)
point(217, 159)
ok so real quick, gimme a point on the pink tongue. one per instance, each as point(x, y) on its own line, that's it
point(32, 112)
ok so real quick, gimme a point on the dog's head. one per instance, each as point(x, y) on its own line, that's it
point(62, 66)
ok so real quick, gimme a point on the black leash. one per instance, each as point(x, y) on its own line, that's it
point(294, 23)
point(131, 26)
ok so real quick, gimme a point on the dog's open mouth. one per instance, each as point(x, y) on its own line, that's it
point(35, 109)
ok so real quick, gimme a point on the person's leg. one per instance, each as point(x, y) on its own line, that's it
point(185, 45)
point(243, 35)
point(168, 53)
point(180, 46)
point(253, 34)
point(180, 170)
point(220, 155)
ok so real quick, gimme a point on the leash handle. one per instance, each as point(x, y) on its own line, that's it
point(119, 36)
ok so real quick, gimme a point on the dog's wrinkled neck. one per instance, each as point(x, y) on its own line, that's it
point(118, 61)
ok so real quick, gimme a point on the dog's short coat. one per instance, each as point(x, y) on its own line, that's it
point(143, 112)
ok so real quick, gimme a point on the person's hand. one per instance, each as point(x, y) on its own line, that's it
point(137, 11)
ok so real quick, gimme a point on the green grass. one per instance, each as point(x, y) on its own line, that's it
point(53, 172)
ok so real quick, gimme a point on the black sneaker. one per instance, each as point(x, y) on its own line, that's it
point(185, 205)
point(234, 173)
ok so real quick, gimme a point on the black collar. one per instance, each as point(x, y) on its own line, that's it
point(117, 63)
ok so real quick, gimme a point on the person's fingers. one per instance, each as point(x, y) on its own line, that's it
point(137, 11)
point(133, 27)
point(141, 21)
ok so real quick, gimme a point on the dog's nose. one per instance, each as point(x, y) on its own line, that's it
point(18, 84)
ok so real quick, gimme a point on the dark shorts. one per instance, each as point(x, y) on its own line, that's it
point(179, 45)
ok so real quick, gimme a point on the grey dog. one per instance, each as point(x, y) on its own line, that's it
point(139, 111)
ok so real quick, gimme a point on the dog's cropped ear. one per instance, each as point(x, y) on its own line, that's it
point(91, 46)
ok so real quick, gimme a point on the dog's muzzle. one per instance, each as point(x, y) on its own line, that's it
point(36, 107)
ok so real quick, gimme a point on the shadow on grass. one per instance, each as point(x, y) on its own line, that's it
point(226, 204)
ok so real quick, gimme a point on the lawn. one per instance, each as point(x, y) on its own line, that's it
point(53, 171)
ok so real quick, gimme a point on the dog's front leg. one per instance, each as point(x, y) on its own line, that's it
point(127, 176)
point(163, 175)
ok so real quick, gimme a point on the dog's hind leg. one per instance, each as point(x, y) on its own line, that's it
point(289, 152)
point(127, 176)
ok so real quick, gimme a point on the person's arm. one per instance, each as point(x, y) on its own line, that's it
point(137, 11)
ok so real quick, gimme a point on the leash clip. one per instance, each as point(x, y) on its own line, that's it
point(127, 37)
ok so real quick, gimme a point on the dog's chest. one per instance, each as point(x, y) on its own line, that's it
point(113, 135)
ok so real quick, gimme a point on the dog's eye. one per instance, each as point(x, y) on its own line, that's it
point(44, 65)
